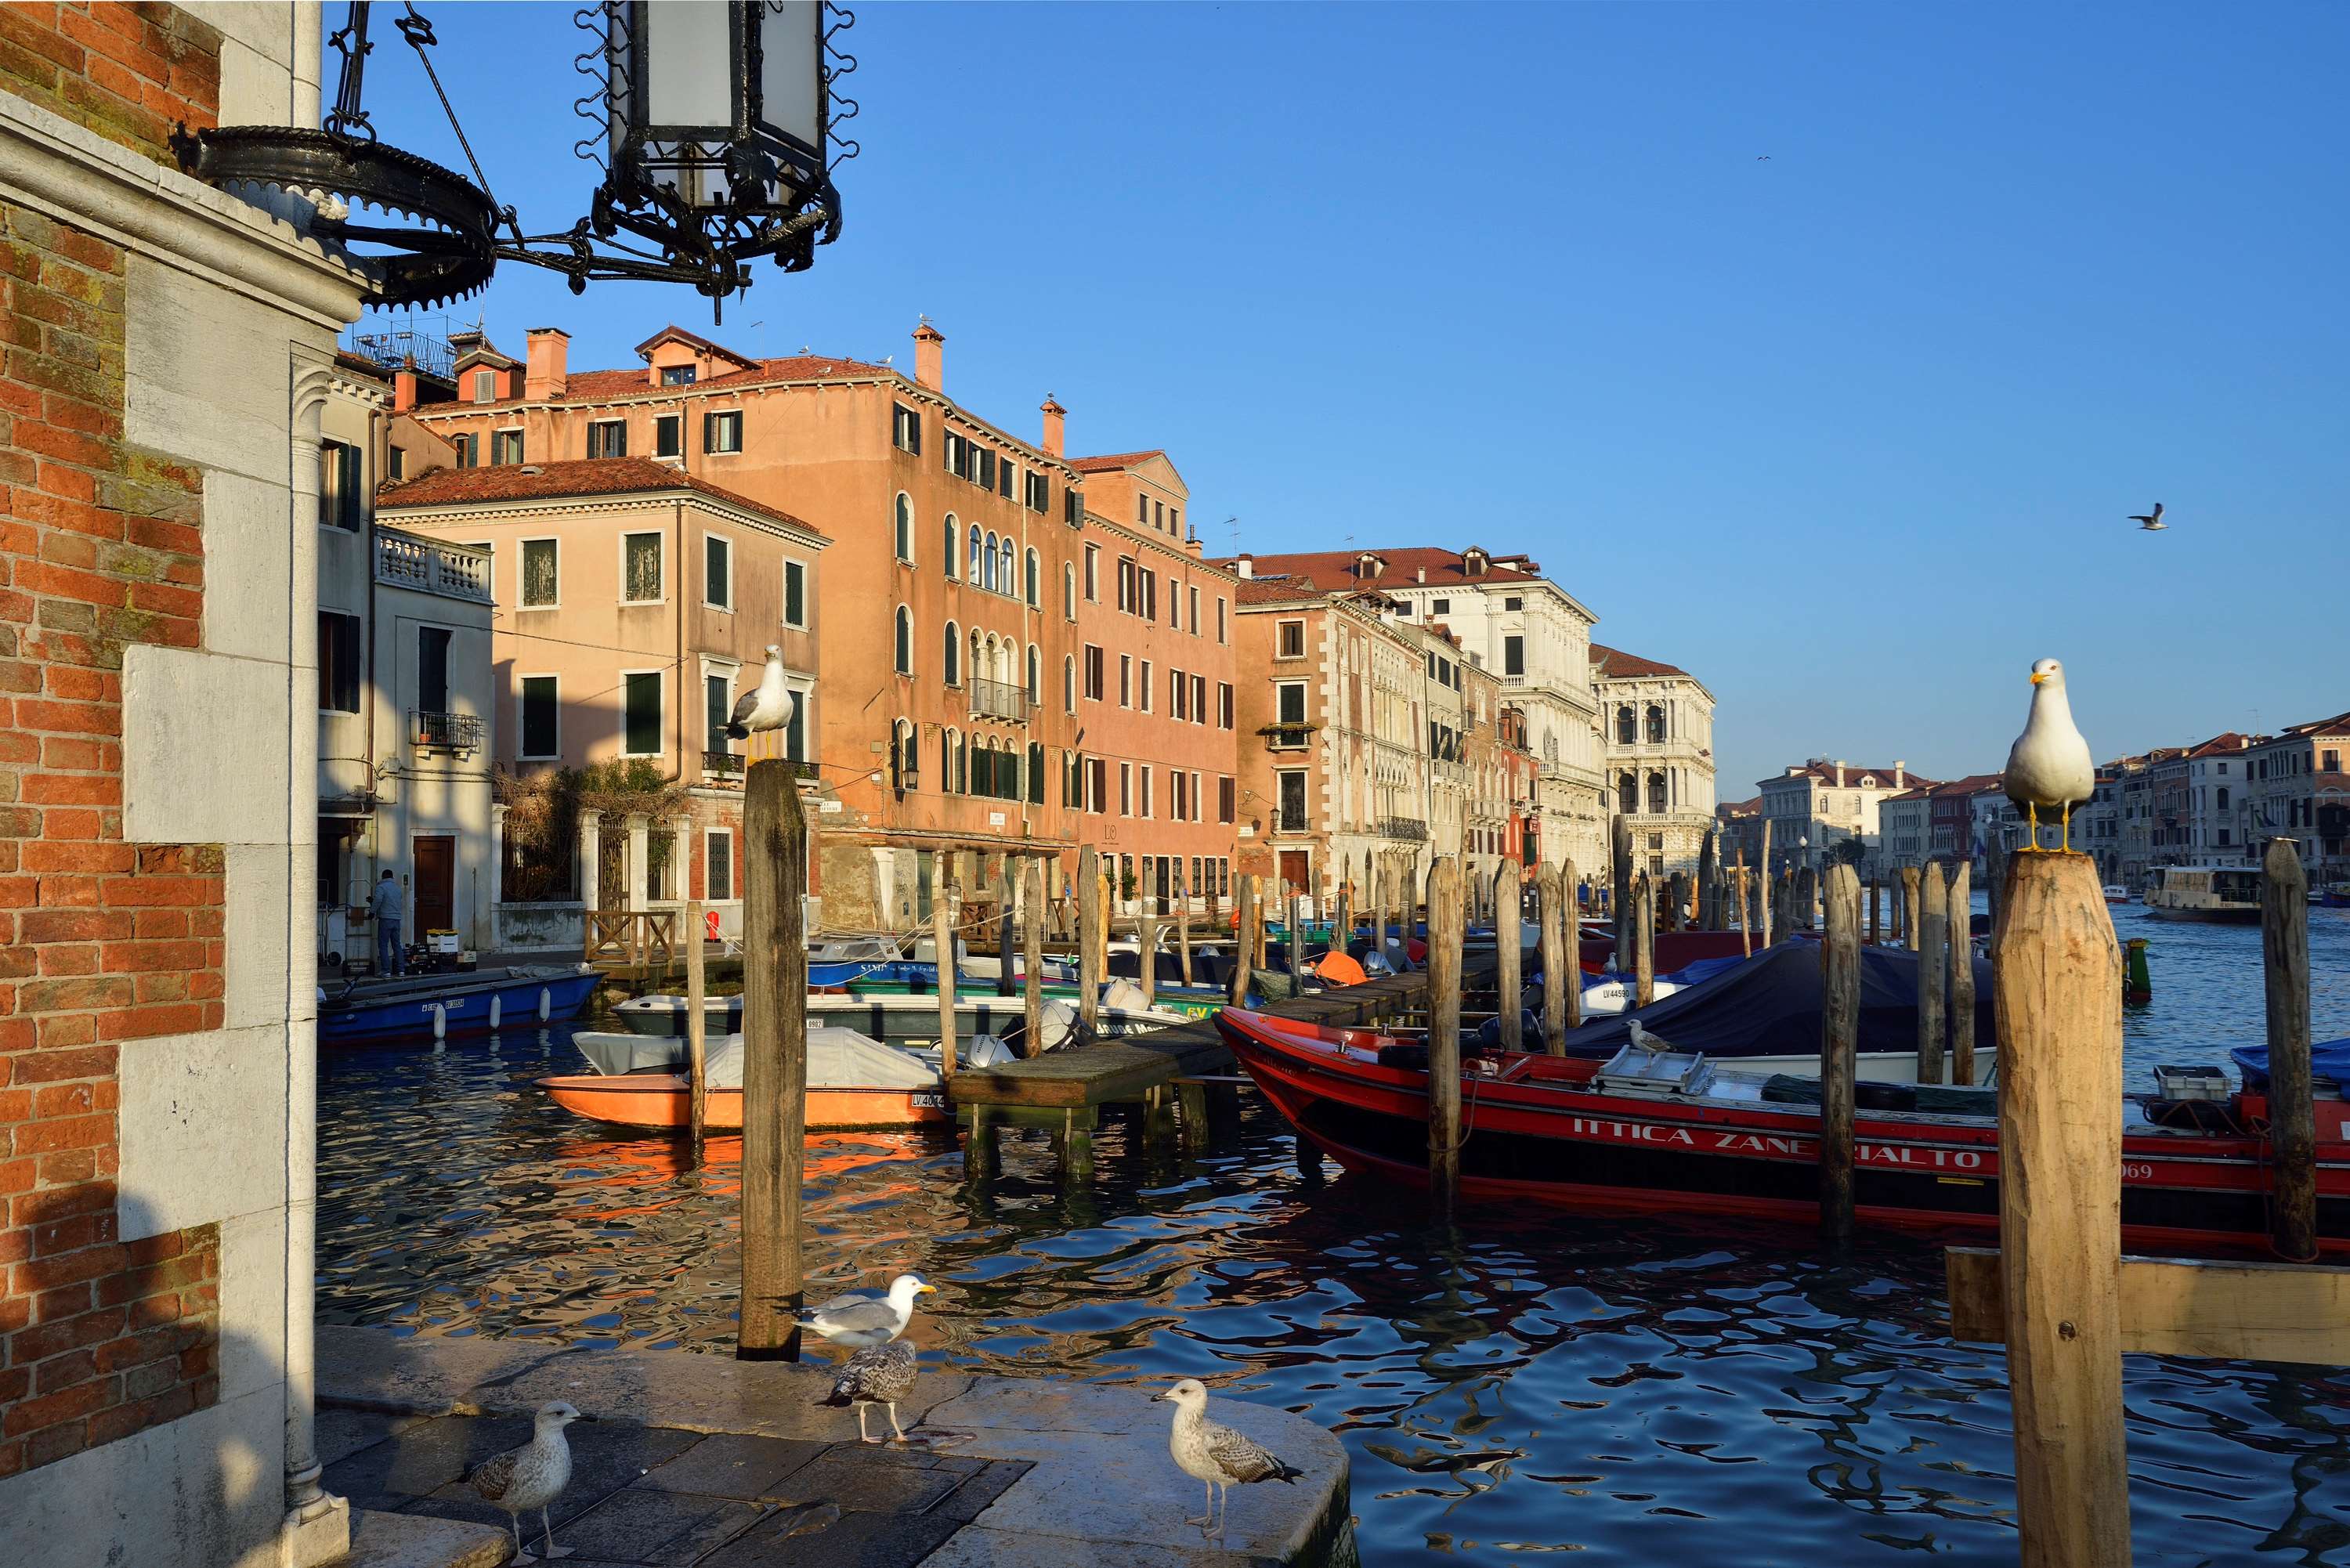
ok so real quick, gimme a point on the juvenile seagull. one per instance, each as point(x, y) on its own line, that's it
point(2049, 768)
point(2150, 520)
point(531, 1476)
point(766, 706)
point(882, 1376)
point(1207, 1451)
point(862, 1322)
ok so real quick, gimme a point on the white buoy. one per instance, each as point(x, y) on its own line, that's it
point(440, 1021)
point(495, 1009)
point(545, 1004)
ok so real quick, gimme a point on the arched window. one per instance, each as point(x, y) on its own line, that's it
point(987, 562)
point(1069, 683)
point(988, 659)
point(905, 528)
point(1069, 591)
point(1625, 734)
point(953, 666)
point(905, 762)
point(954, 547)
point(1037, 678)
point(946, 761)
point(960, 783)
point(1628, 793)
point(1656, 722)
point(905, 640)
point(1009, 556)
point(1035, 581)
point(1036, 791)
point(971, 575)
point(977, 663)
point(1656, 807)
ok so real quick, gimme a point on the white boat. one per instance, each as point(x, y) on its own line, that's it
point(2223, 895)
point(2115, 893)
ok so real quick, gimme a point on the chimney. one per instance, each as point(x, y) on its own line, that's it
point(930, 357)
point(550, 353)
point(1245, 565)
point(403, 391)
point(1055, 426)
point(1900, 775)
point(1839, 773)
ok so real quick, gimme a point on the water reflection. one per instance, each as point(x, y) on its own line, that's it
point(1523, 1385)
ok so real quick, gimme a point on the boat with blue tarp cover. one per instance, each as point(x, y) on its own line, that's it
point(469, 1001)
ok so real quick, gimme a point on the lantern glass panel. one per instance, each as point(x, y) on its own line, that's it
point(688, 59)
point(791, 77)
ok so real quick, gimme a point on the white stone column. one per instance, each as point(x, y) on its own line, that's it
point(681, 856)
point(639, 855)
point(591, 858)
point(494, 894)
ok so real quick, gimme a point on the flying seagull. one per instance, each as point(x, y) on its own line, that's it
point(532, 1476)
point(1208, 1452)
point(2048, 770)
point(882, 1376)
point(766, 706)
point(861, 1321)
point(2150, 520)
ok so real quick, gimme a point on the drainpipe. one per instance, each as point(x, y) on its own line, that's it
point(677, 850)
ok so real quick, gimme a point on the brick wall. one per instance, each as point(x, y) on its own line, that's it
point(100, 942)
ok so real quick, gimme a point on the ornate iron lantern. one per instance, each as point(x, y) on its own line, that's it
point(715, 125)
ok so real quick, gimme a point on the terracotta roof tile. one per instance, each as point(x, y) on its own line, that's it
point(553, 481)
point(1615, 664)
point(1111, 463)
point(1401, 568)
point(1825, 773)
point(596, 386)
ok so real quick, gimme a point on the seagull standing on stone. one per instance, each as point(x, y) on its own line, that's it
point(2049, 768)
point(862, 1322)
point(1208, 1452)
point(766, 706)
point(532, 1476)
point(882, 1376)
point(2150, 520)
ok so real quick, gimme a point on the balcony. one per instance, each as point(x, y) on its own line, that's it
point(431, 567)
point(459, 734)
point(1288, 822)
point(1408, 827)
point(1287, 737)
point(723, 764)
point(998, 700)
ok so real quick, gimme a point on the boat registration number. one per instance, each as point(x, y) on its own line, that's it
point(929, 1102)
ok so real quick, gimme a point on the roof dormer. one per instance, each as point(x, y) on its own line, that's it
point(675, 358)
point(1475, 562)
point(1368, 565)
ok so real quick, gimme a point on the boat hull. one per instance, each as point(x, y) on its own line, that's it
point(662, 1102)
point(1540, 1132)
point(466, 1004)
point(2221, 917)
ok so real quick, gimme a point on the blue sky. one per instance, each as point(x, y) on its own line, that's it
point(1821, 351)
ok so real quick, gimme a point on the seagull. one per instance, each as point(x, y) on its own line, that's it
point(766, 706)
point(862, 1322)
point(531, 1476)
point(2049, 768)
point(882, 1375)
point(1644, 1040)
point(1216, 1454)
point(2150, 520)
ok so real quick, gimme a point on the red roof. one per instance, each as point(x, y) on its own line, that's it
point(673, 332)
point(1825, 773)
point(550, 481)
point(1277, 591)
point(596, 386)
point(1113, 461)
point(1616, 664)
point(1399, 569)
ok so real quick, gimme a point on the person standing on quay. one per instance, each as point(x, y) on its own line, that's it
point(390, 958)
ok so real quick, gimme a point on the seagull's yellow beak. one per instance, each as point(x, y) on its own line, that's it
point(926, 1288)
point(2037, 678)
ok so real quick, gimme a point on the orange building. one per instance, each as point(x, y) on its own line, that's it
point(956, 574)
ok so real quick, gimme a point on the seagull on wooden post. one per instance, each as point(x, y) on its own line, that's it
point(766, 706)
point(2049, 768)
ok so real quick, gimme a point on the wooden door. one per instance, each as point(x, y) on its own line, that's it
point(1292, 870)
point(436, 883)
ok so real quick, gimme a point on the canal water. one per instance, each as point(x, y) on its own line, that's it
point(1516, 1386)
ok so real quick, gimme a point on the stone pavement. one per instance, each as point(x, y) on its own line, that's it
point(702, 1460)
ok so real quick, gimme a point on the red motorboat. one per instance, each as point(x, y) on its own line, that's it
point(1671, 1131)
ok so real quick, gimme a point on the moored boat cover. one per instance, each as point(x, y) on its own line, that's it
point(1770, 1006)
point(836, 1059)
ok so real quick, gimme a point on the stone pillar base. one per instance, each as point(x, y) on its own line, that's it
point(317, 1535)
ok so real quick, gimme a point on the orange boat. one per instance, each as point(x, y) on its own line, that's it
point(661, 1100)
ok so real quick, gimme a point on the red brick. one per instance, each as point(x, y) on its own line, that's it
point(59, 1100)
point(163, 1018)
point(73, 1132)
point(69, 1167)
point(71, 1404)
point(15, 1175)
point(98, 858)
point(102, 1263)
point(77, 957)
point(66, 995)
point(138, 1349)
point(133, 891)
point(61, 1032)
point(27, 1346)
point(76, 1366)
point(41, 1208)
point(74, 925)
point(67, 751)
point(135, 956)
point(155, 1249)
point(154, 924)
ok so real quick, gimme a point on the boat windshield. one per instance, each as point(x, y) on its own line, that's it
point(2237, 886)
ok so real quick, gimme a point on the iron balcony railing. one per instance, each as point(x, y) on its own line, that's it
point(457, 732)
point(1287, 737)
point(1403, 827)
point(1288, 822)
point(723, 764)
point(998, 700)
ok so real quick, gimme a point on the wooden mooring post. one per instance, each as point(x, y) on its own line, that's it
point(1839, 1042)
point(944, 895)
point(2057, 990)
point(775, 1062)
point(1620, 885)
point(1909, 881)
point(1745, 911)
point(1031, 959)
point(1146, 969)
point(1708, 886)
point(1644, 940)
point(1445, 927)
point(1875, 921)
point(697, 1027)
point(2293, 1114)
point(1562, 977)
point(1091, 959)
point(1763, 885)
point(1183, 927)
point(1509, 957)
point(1960, 929)
point(1933, 934)
point(1003, 917)
point(1244, 936)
